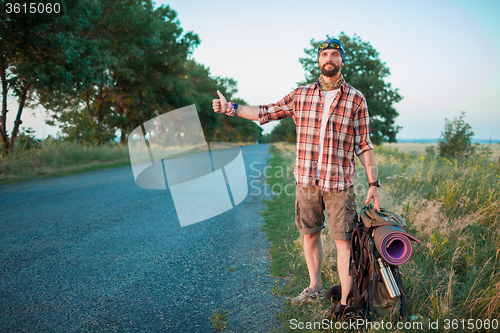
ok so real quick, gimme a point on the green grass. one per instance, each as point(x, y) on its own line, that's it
point(220, 320)
point(55, 158)
point(287, 260)
point(452, 206)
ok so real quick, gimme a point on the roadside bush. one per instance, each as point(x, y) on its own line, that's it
point(26, 140)
point(456, 140)
point(430, 151)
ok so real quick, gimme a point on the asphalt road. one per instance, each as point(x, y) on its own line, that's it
point(94, 252)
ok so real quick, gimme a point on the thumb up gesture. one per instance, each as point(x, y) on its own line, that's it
point(219, 105)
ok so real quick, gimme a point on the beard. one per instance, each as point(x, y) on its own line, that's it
point(331, 72)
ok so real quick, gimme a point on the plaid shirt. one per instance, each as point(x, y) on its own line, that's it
point(347, 133)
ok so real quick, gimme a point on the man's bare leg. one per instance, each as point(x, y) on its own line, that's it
point(343, 254)
point(313, 251)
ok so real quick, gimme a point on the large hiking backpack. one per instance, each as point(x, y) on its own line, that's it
point(378, 289)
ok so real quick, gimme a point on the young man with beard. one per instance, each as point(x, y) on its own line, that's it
point(332, 127)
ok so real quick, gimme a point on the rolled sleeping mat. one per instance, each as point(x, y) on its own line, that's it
point(393, 244)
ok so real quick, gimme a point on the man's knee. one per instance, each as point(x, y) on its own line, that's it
point(313, 236)
point(343, 244)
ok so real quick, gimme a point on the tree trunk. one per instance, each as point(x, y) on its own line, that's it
point(3, 117)
point(120, 109)
point(123, 138)
point(119, 103)
point(18, 121)
point(87, 101)
point(100, 106)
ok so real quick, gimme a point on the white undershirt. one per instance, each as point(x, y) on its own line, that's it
point(329, 97)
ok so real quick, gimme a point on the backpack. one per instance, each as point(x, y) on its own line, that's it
point(372, 296)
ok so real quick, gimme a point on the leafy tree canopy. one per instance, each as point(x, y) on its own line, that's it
point(106, 66)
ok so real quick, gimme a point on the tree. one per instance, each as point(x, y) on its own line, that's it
point(33, 51)
point(366, 72)
point(456, 140)
point(138, 68)
point(124, 64)
point(200, 90)
point(18, 45)
point(106, 66)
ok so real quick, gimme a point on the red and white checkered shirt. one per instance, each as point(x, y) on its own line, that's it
point(347, 133)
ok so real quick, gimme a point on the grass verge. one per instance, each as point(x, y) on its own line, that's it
point(452, 206)
point(56, 158)
point(220, 320)
point(287, 260)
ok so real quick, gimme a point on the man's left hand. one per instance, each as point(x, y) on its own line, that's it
point(373, 193)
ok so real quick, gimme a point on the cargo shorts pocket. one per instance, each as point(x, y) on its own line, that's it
point(309, 209)
point(305, 219)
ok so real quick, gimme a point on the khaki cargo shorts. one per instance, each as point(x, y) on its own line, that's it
point(340, 207)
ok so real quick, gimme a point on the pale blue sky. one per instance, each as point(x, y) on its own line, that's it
point(444, 56)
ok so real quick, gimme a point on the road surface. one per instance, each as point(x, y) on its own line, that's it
point(94, 252)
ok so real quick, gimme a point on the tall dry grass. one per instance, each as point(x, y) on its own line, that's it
point(453, 206)
point(54, 158)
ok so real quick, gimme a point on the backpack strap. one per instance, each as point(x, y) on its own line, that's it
point(360, 263)
point(372, 279)
point(399, 281)
point(340, 311)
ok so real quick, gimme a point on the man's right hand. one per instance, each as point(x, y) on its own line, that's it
point(219, 105)
point(244, 111)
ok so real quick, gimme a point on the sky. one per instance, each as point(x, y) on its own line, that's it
point(444, 56)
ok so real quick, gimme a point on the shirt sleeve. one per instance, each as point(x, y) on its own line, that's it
point(362, 140)
point(276, 111)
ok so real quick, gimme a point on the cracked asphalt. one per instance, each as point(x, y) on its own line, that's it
point(93, 252)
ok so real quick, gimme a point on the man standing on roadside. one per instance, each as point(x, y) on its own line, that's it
point(332, 126)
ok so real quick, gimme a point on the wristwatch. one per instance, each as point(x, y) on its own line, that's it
point(375, 183)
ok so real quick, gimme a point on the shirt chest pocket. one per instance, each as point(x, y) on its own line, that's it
point(341, 119)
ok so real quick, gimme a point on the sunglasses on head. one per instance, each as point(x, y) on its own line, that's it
point(333, 45)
